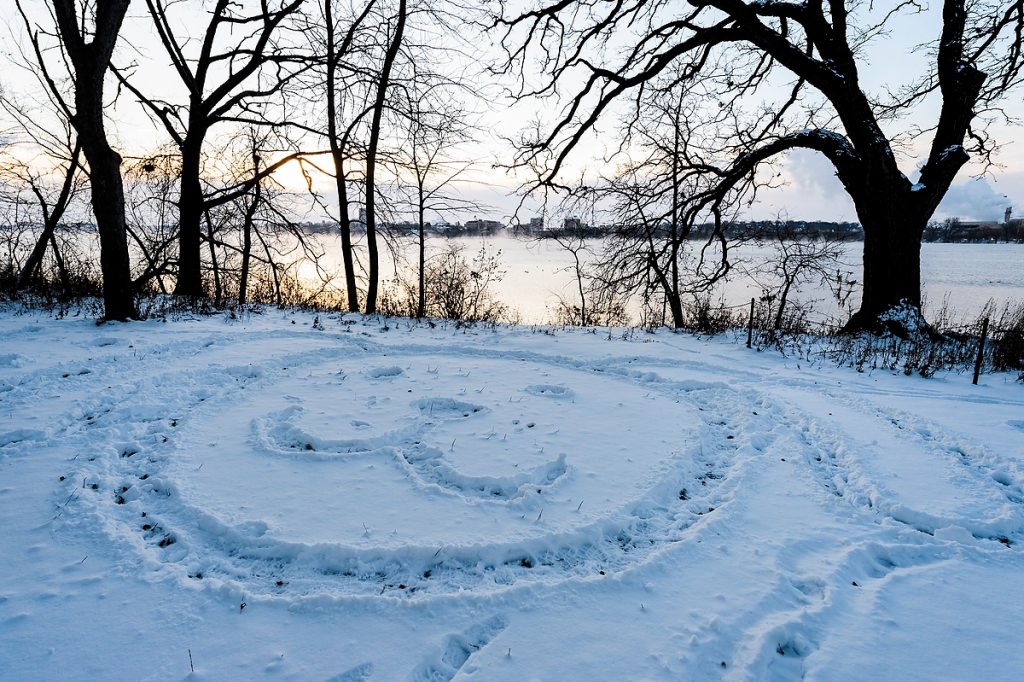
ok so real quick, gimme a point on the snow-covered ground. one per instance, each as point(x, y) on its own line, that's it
point(266, 497)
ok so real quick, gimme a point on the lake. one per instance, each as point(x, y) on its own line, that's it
point(537, 274)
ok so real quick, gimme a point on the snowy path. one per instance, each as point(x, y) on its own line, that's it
point(374, 501)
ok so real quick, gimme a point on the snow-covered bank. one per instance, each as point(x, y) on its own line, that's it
point(381, 500)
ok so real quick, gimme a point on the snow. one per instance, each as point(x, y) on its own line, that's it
point(277, 497)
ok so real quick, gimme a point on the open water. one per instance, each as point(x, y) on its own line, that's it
point(538, 274)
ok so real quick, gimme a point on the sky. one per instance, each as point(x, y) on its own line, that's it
point(814, 190)
point(811, 190)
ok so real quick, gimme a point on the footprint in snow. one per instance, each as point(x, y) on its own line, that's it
point(457, 650)
point(550, 391)
point(360, 673)
point(384, 372)
point(447, 407)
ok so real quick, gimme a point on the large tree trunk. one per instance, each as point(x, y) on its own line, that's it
point(108, 207)
point(190, 214)
point(892, 257)
point(90, 62)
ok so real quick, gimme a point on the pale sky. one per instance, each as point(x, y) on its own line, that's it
point(812, 191)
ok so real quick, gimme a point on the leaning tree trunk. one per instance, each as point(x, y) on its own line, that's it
point(89, 62)
point(107, 204)
point(35, 259)
point(108, 207)
point(52, 217)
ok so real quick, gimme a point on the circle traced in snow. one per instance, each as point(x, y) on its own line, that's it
point(452, 460)
point(460, 473)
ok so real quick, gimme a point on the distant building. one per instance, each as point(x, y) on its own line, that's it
point(482, 226)
point(536, 224)
point(359, 224)
point(572, 225)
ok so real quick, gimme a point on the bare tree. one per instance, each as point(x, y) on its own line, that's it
point(341, 137)
point(151, 192)
point(222, 82)
point(595, 302)
point(354, 59)
point(367, 70)
point(384, 81)
point(87, 42)
point(53, 184)
point(735, 49)
point(657, 250)
point(338, 92)
point(797, 261)
point(432, 125)
point(258, 239)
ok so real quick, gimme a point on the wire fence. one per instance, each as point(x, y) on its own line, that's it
point(992, 342)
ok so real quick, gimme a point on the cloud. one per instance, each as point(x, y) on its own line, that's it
point(812, 192)
point(977, 199)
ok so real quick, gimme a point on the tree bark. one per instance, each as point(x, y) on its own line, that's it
point(190, 212)
point(90, 62)
point(338, 153)
point(891, 261)
point(421, 303)
point(108, 207)
point(371, 159)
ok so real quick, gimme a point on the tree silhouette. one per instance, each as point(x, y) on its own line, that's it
point(733, 51)
point(87, 44)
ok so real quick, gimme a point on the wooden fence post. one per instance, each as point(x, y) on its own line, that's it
point(981, 351)
point(750, 324)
